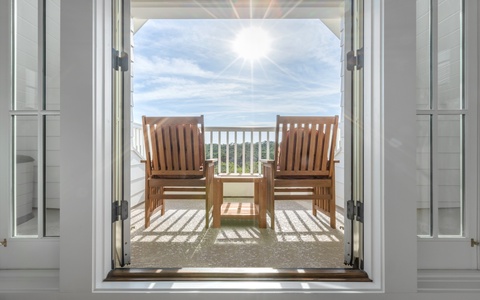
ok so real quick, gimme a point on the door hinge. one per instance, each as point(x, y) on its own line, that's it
point(474, 243)
point(119, 209)
point(119, 61)
point(355, 211)
point(4, 243)
point(355, 59)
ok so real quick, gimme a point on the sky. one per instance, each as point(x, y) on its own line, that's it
point(191, 67)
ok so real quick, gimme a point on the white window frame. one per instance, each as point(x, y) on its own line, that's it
point(20, 249)
point(436, 252)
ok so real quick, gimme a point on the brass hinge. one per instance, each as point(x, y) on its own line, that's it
point(4, 243)
point(474, 243)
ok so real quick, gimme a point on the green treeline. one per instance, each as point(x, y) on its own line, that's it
point(238, 162)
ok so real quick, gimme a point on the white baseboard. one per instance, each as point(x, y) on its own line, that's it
point(448, 281)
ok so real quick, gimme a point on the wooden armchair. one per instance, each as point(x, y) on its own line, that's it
point(304, 165)
point(175, 165)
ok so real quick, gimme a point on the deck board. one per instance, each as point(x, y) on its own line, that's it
point(239, 210)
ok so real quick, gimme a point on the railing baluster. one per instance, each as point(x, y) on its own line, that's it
point(259, 150)
point(227, 154)
point(219, 147)
point(211, 144)
point(251, 151)
point(235, 153)
point(243, 152)
point(268, 145)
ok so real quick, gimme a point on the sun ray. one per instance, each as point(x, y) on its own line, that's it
point(226, 68)
point(291, 9)
point(205, 9)
point(267, 11)
point(289, 74)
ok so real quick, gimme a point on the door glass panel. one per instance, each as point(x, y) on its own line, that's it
point(26, 55)
point(52, 175)
point(450, 54)
point(25, 175)
point(450, 174)
point(424, 175)
point(423, 54)
point(52, 55)
point(36, 121)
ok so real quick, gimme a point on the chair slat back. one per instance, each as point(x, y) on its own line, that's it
point(306, 145)
point(174, 145)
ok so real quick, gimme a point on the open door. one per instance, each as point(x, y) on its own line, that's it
point(353, 97)
point(121, 132)
point(353, 132)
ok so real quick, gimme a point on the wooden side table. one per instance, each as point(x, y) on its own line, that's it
point(241, 210)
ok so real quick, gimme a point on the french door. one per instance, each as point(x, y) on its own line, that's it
point(120, 115)
point(354, 135)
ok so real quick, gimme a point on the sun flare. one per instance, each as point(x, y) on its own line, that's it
point(252, 43)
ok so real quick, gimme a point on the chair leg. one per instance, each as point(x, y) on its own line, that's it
point(332, 208)
point(315, 203)
point(147, 206)
point(162, 201)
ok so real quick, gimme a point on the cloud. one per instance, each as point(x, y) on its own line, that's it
point(154, 66)
point(186, 67)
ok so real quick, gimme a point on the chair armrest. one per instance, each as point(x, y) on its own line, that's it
point(336, 161)
point(267, 161)
point(211, 160)
point(147, 168)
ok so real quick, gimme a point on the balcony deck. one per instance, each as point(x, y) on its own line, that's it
point(179, 239)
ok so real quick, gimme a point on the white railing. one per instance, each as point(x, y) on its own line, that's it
point(138, 143)
point(241, 147)
point(244, 145)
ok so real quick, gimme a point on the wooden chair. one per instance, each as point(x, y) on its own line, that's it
point(175, 166)
point(304, 165)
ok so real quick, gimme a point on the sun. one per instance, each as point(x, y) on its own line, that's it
point(252, 43)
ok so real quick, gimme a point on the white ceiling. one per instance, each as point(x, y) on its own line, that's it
point(329, 11)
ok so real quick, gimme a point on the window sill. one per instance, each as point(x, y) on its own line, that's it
point(238, 281)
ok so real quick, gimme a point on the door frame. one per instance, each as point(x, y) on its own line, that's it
point(370, 170)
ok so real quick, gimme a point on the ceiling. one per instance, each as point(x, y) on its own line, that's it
point(330, 12)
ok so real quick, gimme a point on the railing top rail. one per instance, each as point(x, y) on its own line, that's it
point(239, 128)
point(136, 125)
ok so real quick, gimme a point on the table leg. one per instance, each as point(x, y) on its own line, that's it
point(217, 202)
point(262, 210)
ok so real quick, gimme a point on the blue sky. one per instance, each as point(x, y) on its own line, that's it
point(189, 67)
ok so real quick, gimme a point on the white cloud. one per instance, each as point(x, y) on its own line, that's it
point(153, 66)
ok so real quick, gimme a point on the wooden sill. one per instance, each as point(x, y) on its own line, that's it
point(237, 274)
